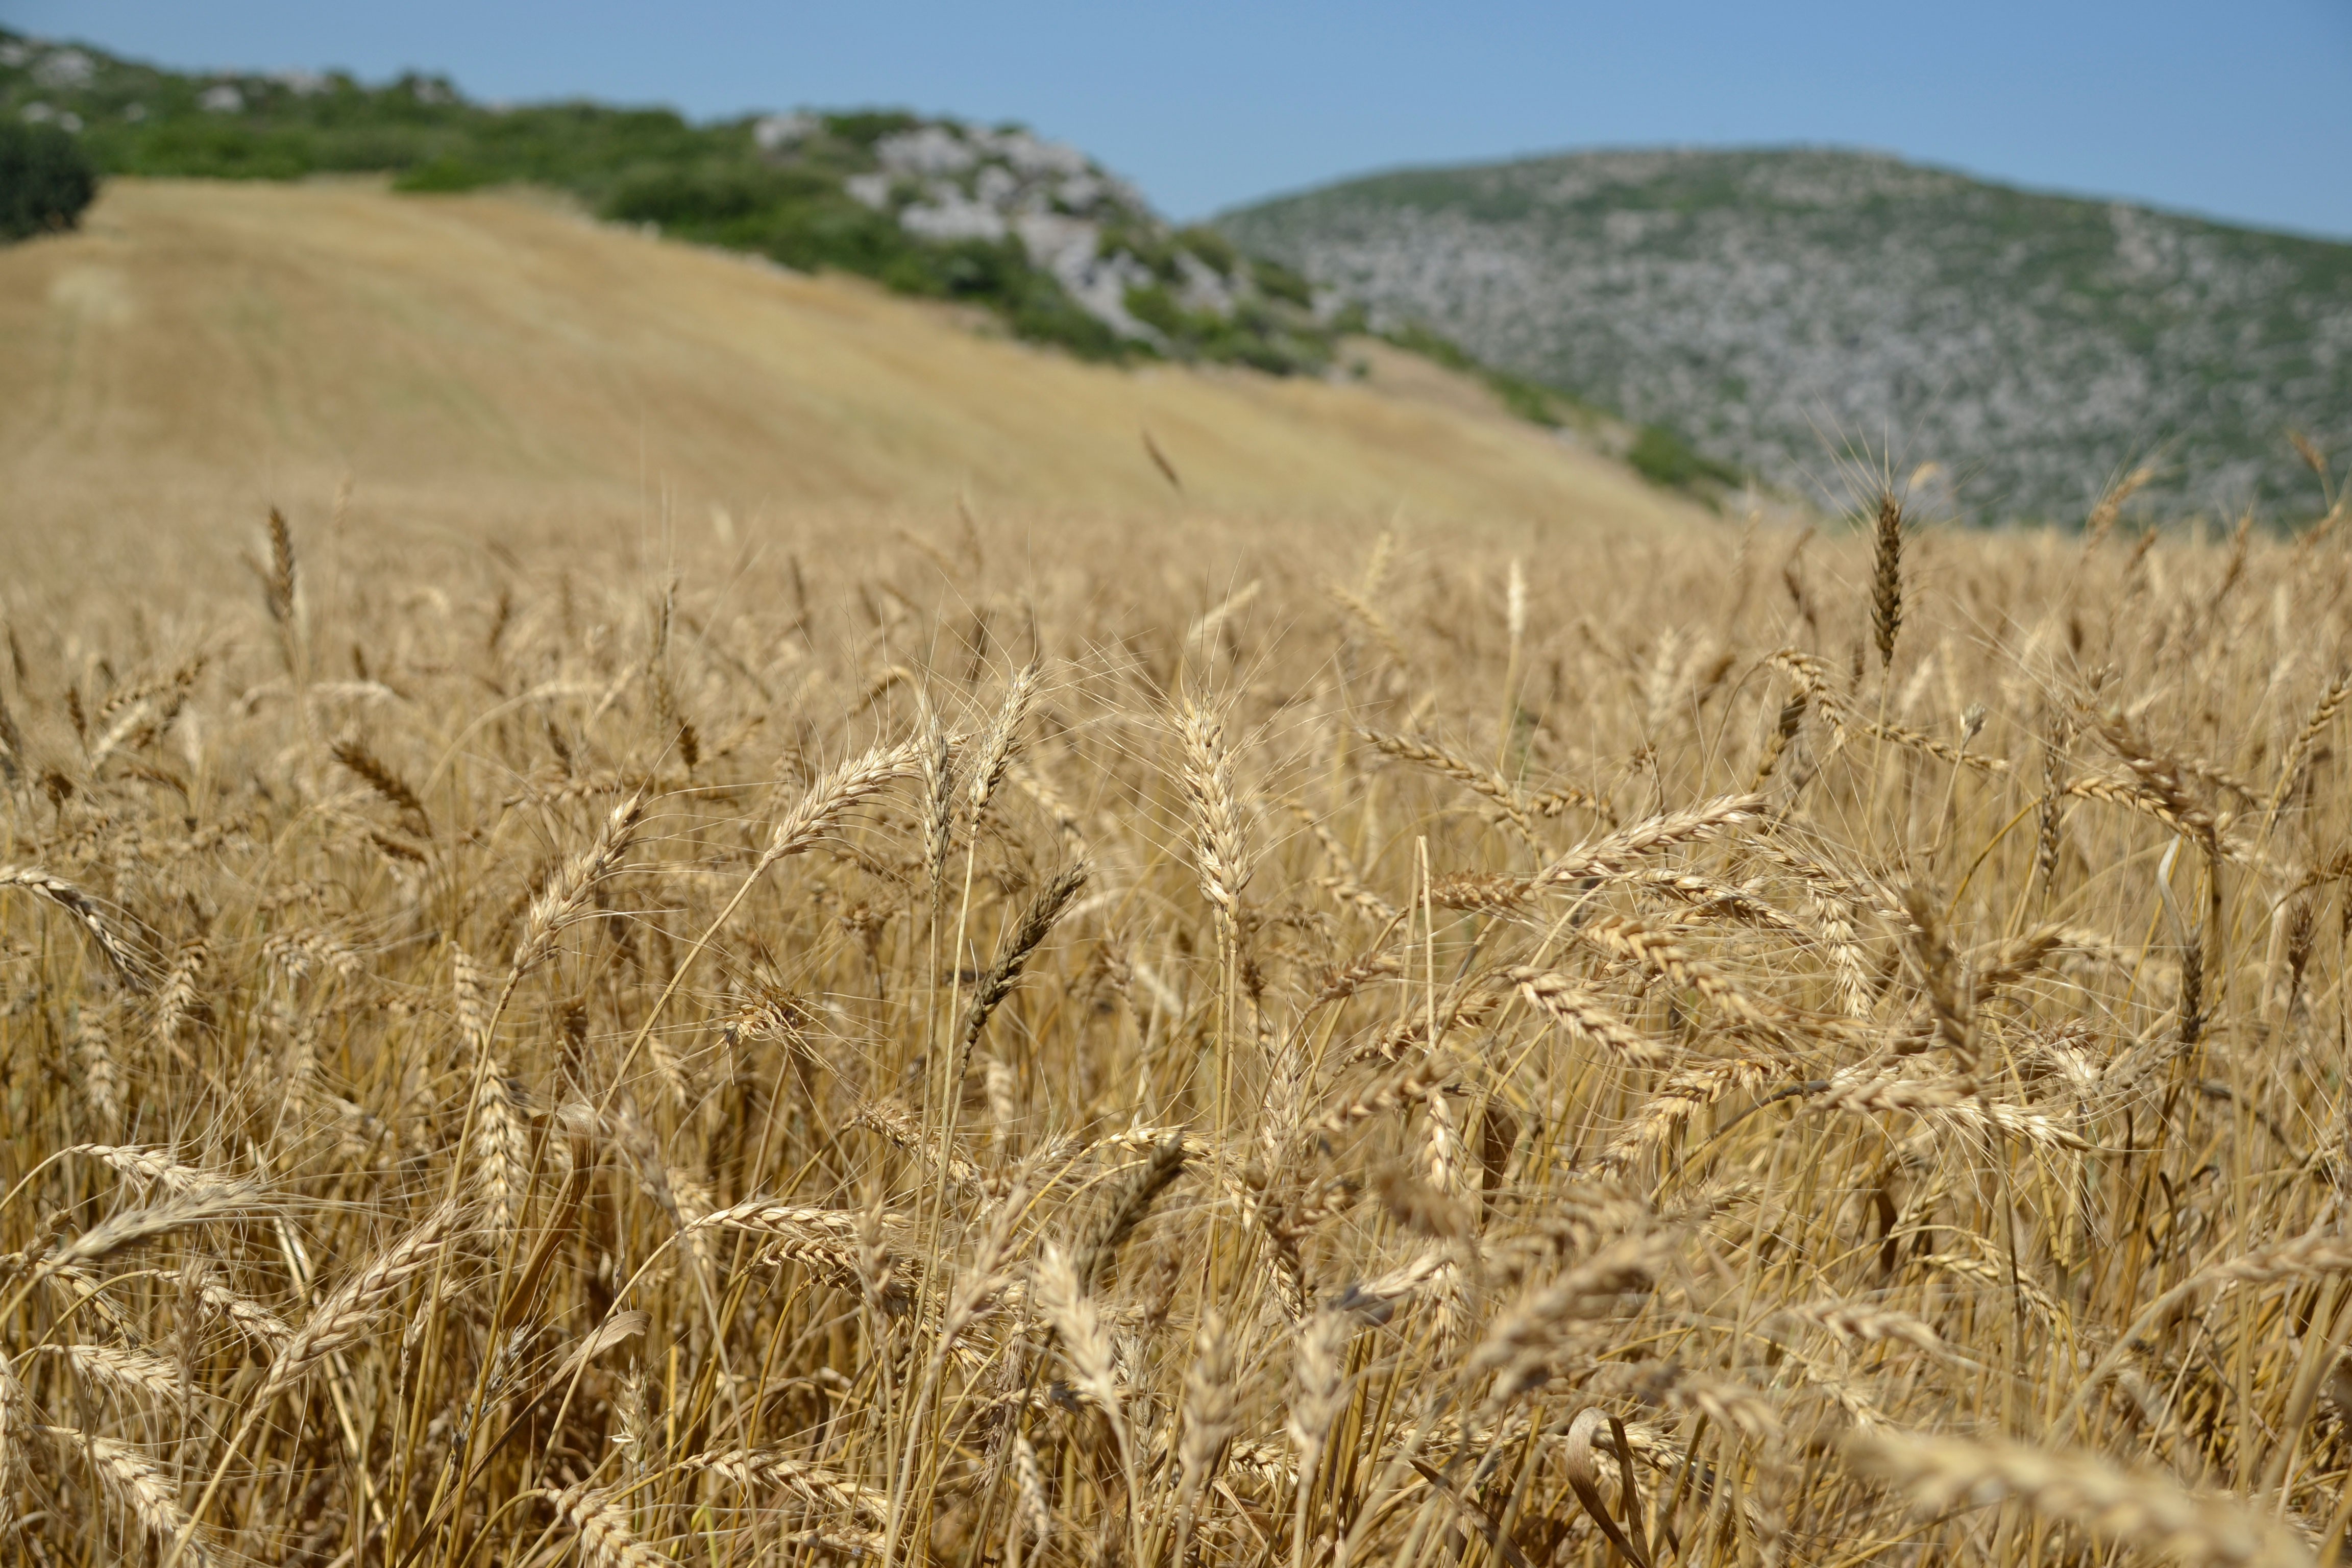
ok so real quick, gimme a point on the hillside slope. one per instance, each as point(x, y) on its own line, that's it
point(1056, 247)
point(1776, 304)
point(206, 349)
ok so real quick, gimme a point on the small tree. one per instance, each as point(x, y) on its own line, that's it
point(46, 180)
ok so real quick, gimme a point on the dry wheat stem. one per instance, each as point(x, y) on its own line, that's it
point(142, 1490)
point(2140, 1509)
point(602, 1523)
point(119, 952)
point(827, 799)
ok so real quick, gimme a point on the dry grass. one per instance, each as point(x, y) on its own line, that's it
point(1688, 1050)
point(202, 349)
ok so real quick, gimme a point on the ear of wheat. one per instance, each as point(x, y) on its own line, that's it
point(1209, 779)
point(141, 1489)
point(1886, 576)
point(2135, 1508)
point(343, 1319)
point(126, 959)
point(602, 1523)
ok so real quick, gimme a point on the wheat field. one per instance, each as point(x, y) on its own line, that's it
point(1719, 1045)
point(203, 350)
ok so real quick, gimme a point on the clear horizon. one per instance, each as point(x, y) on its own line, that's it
point(2244, 118)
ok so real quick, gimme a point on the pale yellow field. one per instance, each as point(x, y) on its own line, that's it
point(204, 351)
point(1111, 1028)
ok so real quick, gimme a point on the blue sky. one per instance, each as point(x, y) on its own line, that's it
point(2241, 110)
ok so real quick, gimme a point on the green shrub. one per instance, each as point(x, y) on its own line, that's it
point(838, 234)
point(1280, 282)
point(1043, 311)
point(1531, 400)
point(689, 198)
point(1523, 397)
point(210, 148)
point(46, 180)
point(866, 127)
point(1211, 247)
point(445, 173)
point(975, 269)
point(1156, 308)
point(1416, 339)
point(1664, 457)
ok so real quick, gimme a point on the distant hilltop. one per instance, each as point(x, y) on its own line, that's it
point(1785, 307)
point(1055, 247)
point(1712, 317)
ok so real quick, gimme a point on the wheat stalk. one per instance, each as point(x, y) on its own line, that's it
point(2323, 714)
point(768, 1468)
point(2135, 1508)
point(343, 1319)
point(1013, 955)
point(1222, 858)
point(263, 1327)
point(1613, 854)
point(16, 1425)
point(1318, 1393)
point(1097, 1248)
point(830, 1242)
point(1062, 1298)
point(158, 1168)
point(1002, 739)
point(141, 1373)
point(126, 959)
point(602, 1523)
point(569, 889)
point(135, 1228)
point(1886, 576)
point(1209, 1408)
point(1643, 946)
point(141, 1489)
point(384, 779)
point(1522, 1340)
point(1482, 781)
point(1581, 1013)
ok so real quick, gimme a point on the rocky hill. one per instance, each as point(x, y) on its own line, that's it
point(1785, 309)
point(1057, 247)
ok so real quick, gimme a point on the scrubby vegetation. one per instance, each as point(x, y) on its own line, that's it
point(1664, 457)
point(1658, 454)
point(1234, 1047)
point(46, 180)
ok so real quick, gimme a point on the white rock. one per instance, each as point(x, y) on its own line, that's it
point(929, 150)
point(780, 131)
point(996, 185)
point(1202, 288)
point(949, 215)
point(1069, 249)
point(1032, 156)
point(65, 68)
